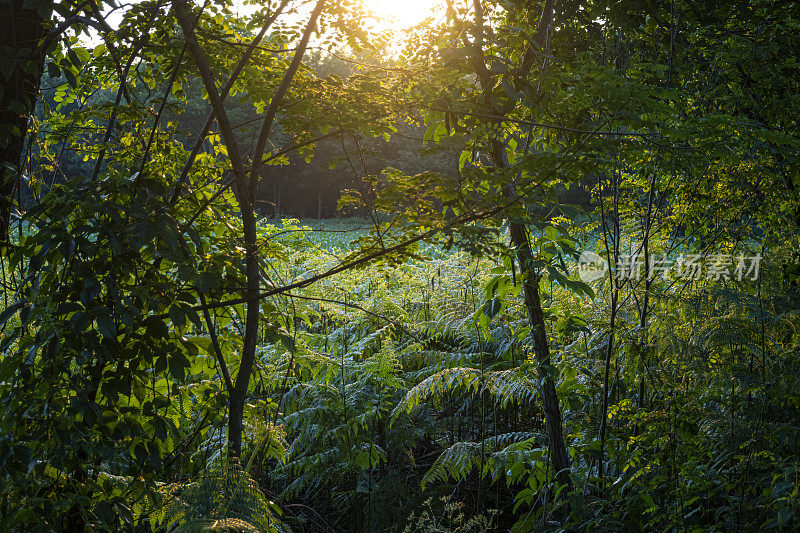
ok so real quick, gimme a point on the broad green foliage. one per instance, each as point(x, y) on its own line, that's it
point(396, 382)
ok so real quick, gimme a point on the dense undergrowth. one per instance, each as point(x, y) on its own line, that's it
point(405, 398)
point(393, 401)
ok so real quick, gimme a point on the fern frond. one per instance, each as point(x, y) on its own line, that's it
point(514, 385)
point(435, 386)
point(225, 498)
point(456, 462)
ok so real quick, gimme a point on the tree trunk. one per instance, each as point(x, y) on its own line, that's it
point(277, 186)
point(23, 29)
point(552, 409)
point(319, 202)
point(244, 194)
point(245, 189)
point(530, 278)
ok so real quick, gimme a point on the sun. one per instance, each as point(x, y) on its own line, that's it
point(402, 14)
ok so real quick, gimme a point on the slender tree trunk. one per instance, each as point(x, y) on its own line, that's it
point(645, 307)
point(533, 303)
point(319, 202)
point(604, 408)
point(23, 29)
point(237, 396)
point(530, 277)
point(277, 186)
point(615, 260)
point(246, 185)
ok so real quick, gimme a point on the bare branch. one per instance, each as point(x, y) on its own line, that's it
point(277, 98)
point(223, 366)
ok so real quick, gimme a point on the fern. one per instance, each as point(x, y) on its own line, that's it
point(225, 498)
point(505, 386)
point(491, 457)
point(456, 462)
point(434, 387)
point(514, 385)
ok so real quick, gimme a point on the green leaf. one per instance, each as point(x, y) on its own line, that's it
point(74, 59)
point(82, 53)
point(52, 70)
point(177, 316)
point(178, 363)
point(441, 131)
point(463, 159)
point(10, 310)
point(78, 322)
point(71, 79)
point(193, 317)
point(156, 328)
point(159, 427)
point(492, 307)
point(105, 324)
